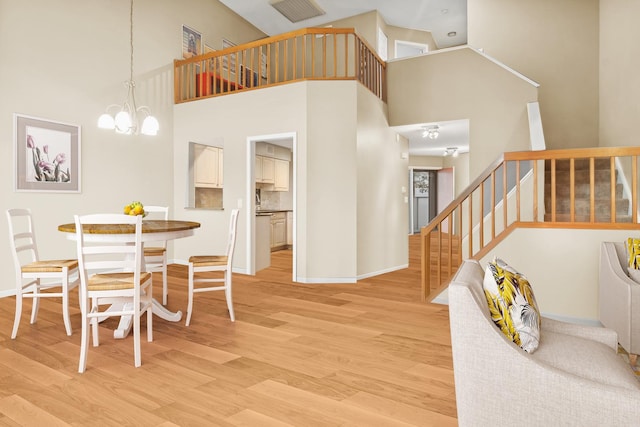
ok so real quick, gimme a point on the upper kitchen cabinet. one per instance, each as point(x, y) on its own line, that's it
point(281, 182)
point(206, 176)
point(208, 167)
point(272, 166)
point(265, 170)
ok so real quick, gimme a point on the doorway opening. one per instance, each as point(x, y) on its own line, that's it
point(424, 198)
point(271, 202)
point(431, 190)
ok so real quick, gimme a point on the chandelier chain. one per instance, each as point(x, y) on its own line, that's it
point(131, 41)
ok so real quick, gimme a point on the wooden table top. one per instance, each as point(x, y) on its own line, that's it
point(148, 226)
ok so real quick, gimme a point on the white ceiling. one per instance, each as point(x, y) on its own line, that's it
point(440, 17)
point(452, 134)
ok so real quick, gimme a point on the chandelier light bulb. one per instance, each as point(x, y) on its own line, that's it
point(106, 122)
point(150, 126)
point(123, 122)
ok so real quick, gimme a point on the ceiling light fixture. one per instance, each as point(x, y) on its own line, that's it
point(431, 132)
point(126, 117)
point(451, 151)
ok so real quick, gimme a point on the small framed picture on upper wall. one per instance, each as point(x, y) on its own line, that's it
point(191, 42)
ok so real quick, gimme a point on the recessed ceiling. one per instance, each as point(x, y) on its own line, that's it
point(451, 134)
point(440, 17)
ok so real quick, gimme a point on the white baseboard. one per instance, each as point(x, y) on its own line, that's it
point(325, 280)
point(8, 293)
point(379, 272)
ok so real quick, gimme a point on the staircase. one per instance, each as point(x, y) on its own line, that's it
point(602, 190)
point(448, 264)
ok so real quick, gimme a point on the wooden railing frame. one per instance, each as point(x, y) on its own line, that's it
point(457, 207)
point(363, 65)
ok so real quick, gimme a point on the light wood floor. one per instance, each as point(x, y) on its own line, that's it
point(365, 354)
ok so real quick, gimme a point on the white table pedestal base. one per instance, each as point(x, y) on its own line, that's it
point(126, 322)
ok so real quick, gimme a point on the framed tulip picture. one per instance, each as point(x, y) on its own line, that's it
point(46, 155)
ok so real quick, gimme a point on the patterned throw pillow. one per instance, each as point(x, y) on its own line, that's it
point(512, 304)
point(633, 251)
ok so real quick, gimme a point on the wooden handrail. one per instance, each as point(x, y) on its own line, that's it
point(520, 208)
point(281, 59)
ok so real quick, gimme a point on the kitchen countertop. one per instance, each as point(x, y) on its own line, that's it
point(270, 211)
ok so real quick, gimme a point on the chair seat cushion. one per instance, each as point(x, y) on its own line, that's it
point(114, 281)
point(586, 359)
point(154, 251)
point(208, 260)
point(49, 266)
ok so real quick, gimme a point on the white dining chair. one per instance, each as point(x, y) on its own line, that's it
point(36, 277)
point(199, 264)
point(155, 253)
point(111, 273)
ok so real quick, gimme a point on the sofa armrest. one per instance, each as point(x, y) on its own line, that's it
point(606, 336)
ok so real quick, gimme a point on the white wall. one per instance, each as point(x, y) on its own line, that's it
point(66, 61)
point(562, 266)
point(452, 84)
point(382, 217)
point(229, 121)
point(351, 219)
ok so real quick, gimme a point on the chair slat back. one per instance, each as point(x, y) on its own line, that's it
point(123, 255)
point(22, 237)
point(157, 212)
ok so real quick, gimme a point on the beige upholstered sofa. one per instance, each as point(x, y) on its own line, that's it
point(574, 378)
point(619, 300)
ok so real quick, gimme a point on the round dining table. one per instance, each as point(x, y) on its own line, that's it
point(152, 231)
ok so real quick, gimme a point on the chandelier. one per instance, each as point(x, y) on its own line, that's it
point(451, 151)
point(126, 117)
point(431, 132)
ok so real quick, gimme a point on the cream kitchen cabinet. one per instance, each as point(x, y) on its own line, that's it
point(208, 168)
point(265, 170)
point(281, 181)
point(278, 230)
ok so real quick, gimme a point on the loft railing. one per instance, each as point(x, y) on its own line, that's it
point(306, 54)
point(511, 194)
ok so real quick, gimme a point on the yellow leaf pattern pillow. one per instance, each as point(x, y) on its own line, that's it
point(633, 251)
point(512, 304)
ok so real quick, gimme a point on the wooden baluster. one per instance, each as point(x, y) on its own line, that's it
point(553, 190)
point(612, 166)
point(439, 257)
point(450, 247)
point(277, 60)
point(592, 188)
point(324, 56)
point(346, 55)
point(335, 55)
point(517, 190)
point(634, 189)
point(459, 235)
point(535, 191)
point(572, 189)
point(504, 195)
point(426, 264)
point(493, 205)
point(470, 232)
point(481, 228)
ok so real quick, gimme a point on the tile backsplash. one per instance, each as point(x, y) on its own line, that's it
point(210, 198)
point(275, 200)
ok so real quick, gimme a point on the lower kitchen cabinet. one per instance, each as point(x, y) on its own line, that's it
point(278, 230)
